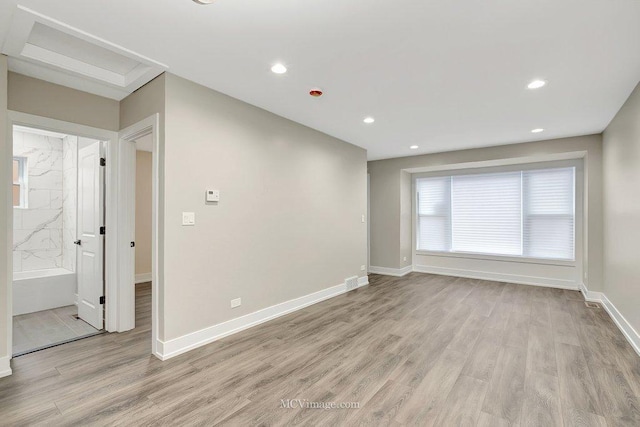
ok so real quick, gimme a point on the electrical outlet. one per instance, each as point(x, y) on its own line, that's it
point(362, 267)
point(236, 302)
point(363, 219)
point(404, 259)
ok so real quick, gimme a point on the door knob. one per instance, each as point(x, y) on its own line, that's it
point(77, 242)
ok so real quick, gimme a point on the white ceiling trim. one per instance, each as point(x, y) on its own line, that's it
point(37, 61)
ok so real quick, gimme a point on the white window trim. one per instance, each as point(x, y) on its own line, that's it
point(23, 181)
point(508, 167)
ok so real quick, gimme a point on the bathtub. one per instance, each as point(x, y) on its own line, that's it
point(39, 290)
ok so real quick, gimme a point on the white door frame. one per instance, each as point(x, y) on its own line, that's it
point(150, 125)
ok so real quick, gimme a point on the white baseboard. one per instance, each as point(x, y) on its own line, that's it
point(143, 278)
point(499, 277)
point(625, 327)
point(387, 271)
point(177, 346)
point(591, 295)
point(627, 330)
point(5, 366)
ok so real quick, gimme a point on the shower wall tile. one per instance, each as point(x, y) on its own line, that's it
point(17, 261)
point(41, 259)
point(30, 240)
point(45, 179)
point(41, 218)
point(38, 228)
point(55, 197)
point(17, 218)
point(39, 199)
point(69, 201)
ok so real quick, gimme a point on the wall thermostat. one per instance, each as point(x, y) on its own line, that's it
point(213, 195)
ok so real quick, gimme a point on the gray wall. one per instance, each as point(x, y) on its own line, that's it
point(622, 210)
point(144, 212)
point(289, 218)
point(40, 98)
point(391, 198)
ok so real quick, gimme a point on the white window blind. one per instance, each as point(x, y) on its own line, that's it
point(435, 213)
point(549, 215)
point(523, 213)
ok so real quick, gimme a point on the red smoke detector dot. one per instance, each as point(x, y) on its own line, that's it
point(316, 93)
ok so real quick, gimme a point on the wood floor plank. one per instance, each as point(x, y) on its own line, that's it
point(541, 353)
point(505, 395)
point(462, 407)
point(482, 360)
point(576, 386)
point(468, 334)
point(541, 401)
point(429, 396)
point(619, 404)
point(517, 330)
point(564, 331)
point(488, 420)
point(415, 350)
point(579, 418)
point(382, 408)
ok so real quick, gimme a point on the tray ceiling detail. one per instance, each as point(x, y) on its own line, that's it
point(44, 48)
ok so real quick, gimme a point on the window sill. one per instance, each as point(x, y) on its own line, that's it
point(527, 260)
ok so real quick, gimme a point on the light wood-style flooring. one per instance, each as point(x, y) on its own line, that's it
point(45, 328)
point(419, 350)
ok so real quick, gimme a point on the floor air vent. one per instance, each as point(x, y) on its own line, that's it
point(592, 304)
point(351, 283)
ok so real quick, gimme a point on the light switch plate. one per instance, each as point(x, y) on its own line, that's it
point(188, 218)
point(212, 195)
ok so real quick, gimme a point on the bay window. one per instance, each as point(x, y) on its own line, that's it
point(518, 213)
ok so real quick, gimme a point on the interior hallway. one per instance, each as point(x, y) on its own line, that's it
point(422, 349)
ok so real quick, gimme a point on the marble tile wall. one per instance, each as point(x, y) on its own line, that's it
point(69, 200)
point(37, 235)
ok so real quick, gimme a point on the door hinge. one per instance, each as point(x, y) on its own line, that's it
point(102, 230)
point(103, 161)
point(101, 300)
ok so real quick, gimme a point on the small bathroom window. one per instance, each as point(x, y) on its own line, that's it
point(20, 182)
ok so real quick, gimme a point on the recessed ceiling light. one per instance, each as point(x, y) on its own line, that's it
point(414, 147)
point(536, 84)
point(369, 120)
point(204, 1)
point(538, 130)
point(279, 68)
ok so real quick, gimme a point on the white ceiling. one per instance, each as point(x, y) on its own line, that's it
point(444, 75)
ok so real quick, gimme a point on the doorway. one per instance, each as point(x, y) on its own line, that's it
point(119, 149)
point(138, 224)
point(143, 229)
point(58, 215)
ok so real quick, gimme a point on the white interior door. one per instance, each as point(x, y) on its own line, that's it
point(90, 245)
